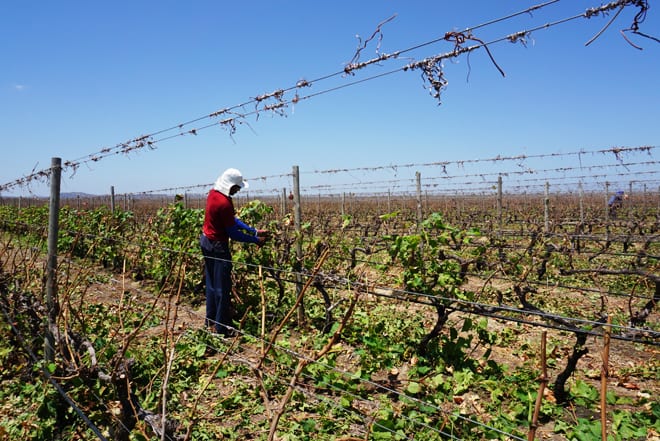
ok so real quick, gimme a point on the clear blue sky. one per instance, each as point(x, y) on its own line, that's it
point(80, 76)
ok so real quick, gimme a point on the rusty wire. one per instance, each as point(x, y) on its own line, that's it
point(617, 151)
point(478, 178)
point(643, 6)
point(363, 45)
point(431, 68)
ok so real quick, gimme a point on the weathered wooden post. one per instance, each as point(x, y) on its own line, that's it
point(343, 204)
point(607, 193)
point(51, 264)
point(499, 202)
point(418, 179)
point(581, 202)
point(389, 200)
point(112, 199)
point(546, 207)
point(630, 199)
point(297, 221)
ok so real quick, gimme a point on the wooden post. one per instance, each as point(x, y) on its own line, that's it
point(297, 221)
point(459, 204)
point(343, 204)
point(607, 195)
point(51, 265)
point(546, 207)
point(581, 202)
point(604, 374)
point(630, 199)
point(112, 199)
point(543, 380)
point(418, 179)
point(499, 202)
point(283, 203)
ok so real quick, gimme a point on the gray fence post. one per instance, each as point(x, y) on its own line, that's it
point(499, 203)
point(581, 202)
point(418, 180)
point(297, 220)
point(343, 204)
point(546, 207)
point(630, 199)
point(112, 199)
point(389, 200)
point(51, 266)
point(607, 196)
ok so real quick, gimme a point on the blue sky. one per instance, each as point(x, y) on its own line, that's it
point(81, 76)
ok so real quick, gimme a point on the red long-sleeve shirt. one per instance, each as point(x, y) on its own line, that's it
point(220, 215)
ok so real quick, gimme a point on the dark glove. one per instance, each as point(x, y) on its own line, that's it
point(262, 237)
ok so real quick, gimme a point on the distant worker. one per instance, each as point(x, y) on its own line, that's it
point(616, 202)
point(220, 225)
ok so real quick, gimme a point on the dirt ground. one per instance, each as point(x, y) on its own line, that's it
point(625, 358)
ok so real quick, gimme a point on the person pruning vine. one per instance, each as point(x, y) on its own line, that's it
point(220, 225)
point(615, 202)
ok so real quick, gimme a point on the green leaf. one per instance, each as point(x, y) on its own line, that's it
point(414, 388)
point(345, 402)
point(200, 349)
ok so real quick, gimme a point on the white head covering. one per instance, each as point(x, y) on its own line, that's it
point(228, 179)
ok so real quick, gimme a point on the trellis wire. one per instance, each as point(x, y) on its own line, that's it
point(432, 63)
point(494, 315)
point(411, 296)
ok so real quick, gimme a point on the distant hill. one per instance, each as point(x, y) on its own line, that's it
point(83, 195)
point(76, 194)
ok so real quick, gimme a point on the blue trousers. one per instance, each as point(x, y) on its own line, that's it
point(218, 267)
